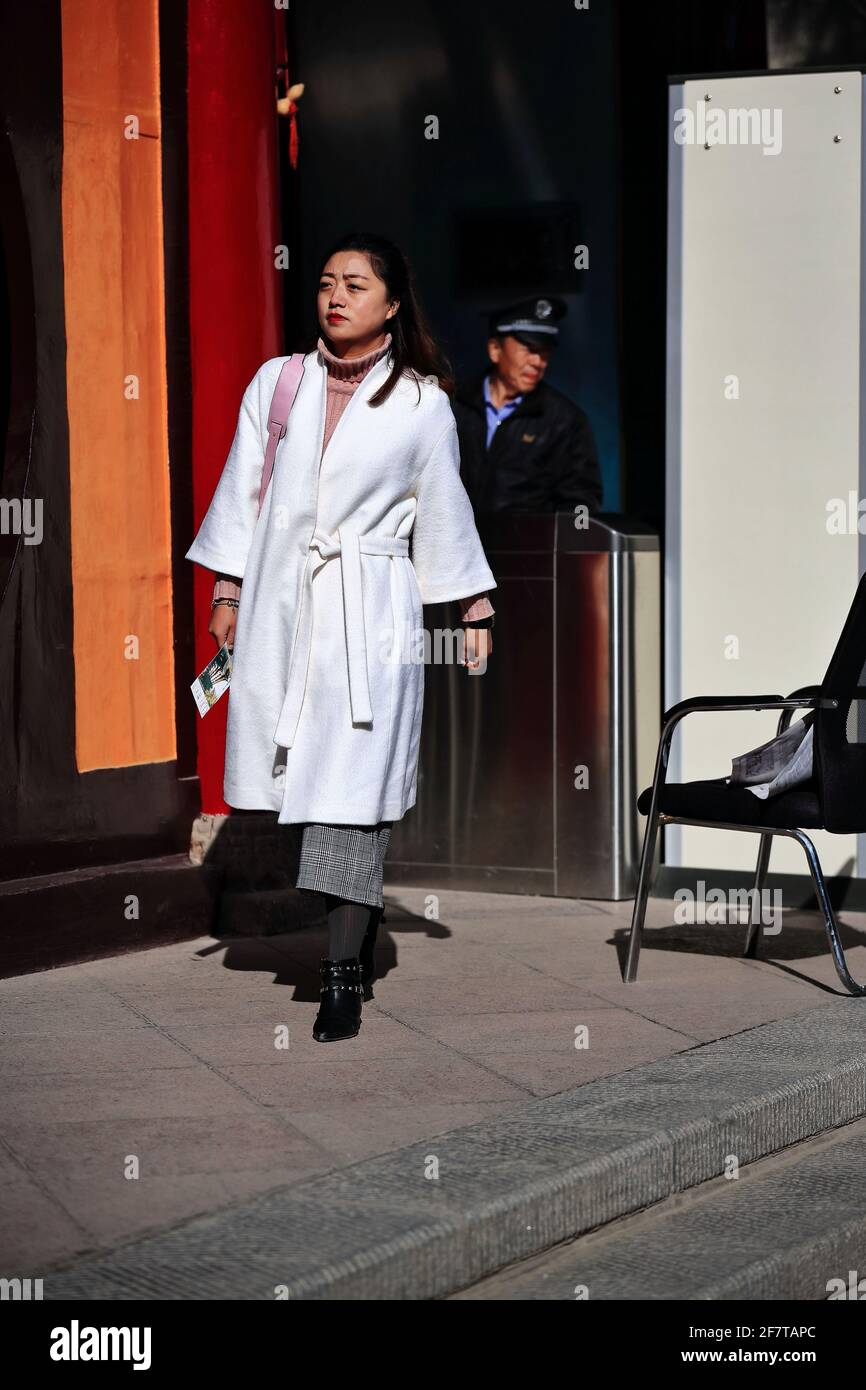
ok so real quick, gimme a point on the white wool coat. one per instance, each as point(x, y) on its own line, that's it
point(326, 694)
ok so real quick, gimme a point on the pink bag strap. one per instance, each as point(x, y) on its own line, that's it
point(282, 401)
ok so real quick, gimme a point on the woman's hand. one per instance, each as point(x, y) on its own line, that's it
point(224, 616)
point(222, 624)
point(478, 644)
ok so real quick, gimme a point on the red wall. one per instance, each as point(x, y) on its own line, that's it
point(235, 291)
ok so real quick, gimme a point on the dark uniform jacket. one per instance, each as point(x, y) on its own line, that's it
point(542, 457)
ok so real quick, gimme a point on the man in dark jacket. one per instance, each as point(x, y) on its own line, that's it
point(524, 446)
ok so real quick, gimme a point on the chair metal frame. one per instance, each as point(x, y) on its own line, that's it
point(808, 697)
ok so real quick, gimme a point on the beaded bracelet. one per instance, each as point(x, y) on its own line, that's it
point(229, 602)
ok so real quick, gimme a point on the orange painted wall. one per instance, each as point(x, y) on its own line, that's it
point(115, 328)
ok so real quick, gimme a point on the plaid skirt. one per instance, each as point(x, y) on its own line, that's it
point(345, 860)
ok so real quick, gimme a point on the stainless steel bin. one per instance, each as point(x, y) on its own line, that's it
point(504, 803)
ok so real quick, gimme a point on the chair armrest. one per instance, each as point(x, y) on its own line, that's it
point(859, 691)
point(807, 698)
point(738, 702)
point(715, 703)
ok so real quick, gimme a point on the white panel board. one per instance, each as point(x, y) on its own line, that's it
point(764, 416)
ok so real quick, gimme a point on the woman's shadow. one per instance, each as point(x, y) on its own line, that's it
point(262, 922)
point(293, 956)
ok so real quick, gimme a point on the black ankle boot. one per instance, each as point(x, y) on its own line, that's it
point(339, 1013)
point(366, 955)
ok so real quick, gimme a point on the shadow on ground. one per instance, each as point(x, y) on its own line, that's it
point(803, 937)
point(293, 957)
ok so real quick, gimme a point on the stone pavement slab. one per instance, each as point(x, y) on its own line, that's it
point(175, 1057)
point(429, 1219)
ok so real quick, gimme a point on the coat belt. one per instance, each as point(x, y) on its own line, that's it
point(349, 545)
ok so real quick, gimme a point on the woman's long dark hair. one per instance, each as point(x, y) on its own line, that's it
point(413, 346)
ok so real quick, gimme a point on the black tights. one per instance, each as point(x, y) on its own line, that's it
point(347, 924)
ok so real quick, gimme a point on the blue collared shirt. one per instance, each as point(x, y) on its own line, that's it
point(495, 415)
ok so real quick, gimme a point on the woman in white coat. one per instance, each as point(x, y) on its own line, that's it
point(320, 594)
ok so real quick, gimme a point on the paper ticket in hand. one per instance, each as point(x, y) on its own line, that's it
point(213, 681)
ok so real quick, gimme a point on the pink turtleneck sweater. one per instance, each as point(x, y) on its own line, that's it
point(345, 375)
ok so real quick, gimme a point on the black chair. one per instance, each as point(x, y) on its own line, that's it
point(833, 799)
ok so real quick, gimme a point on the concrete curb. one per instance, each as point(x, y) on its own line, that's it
point(70, 917)
point(791, 1227)
point(507, 1188)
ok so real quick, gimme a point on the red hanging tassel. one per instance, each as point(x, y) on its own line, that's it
point(293, 136)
